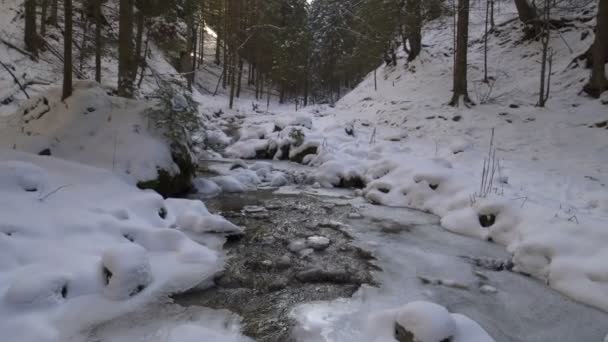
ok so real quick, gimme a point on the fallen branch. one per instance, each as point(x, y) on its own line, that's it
point(16, 48)
point(16, 79)
point(41, 199)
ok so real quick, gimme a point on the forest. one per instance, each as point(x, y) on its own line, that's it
point(303, 170)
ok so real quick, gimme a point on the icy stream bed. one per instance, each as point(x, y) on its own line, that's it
point(416, 260)
point(421, 261)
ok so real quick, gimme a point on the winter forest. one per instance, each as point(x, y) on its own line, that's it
point(303, 170)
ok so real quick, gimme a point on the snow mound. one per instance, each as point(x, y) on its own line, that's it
point(423, 322)
point(92, 128)
point(73, 237)
point(126, 270)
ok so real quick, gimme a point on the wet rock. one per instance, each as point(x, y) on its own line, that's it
point(250, 209)
point(45, 152)
point(273, 206)
point(330, 224)
point(487, 221)
point(487, 289)
point(355, 216)
point(328, 205)
point(297, 245)
point(305, 252)
point(284, 261)
point(492, 264)
point(318, 243)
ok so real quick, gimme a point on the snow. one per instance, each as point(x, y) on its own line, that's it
point(92, 128)
point(547, 203)
point(76, 237)
point(426, 321)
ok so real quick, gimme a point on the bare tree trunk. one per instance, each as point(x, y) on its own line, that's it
point(54, 12)
point(192, 75)
point(528, 15)
point(201, 59)
point(415, 29)
point(83, 43)
point(545, 39)
point(67, 51)
point(239, 79)
point(232, 80)
point(125, 54)
point(31, 36)
point(217, 48)
point(460, 70)
point(139, 37)
point(598, 82)
point(98, 42)
point(492, 22)
point(485, 43)
point(43, 17)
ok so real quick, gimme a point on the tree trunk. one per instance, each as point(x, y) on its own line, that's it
point(460, 69)
point(83, 43)
point(528, 15)
point(125, 54)
point(139, 37)
point(217, 48)
point(485, 43)
point(98, 42)
point(545, 39)
point(239, 79)
point(43, 17)
point(31, 36)
point(598, 83)
point(54, 9)
point(67, 51)
point(414, 29)
point(193, 53)
point(201, 59)
point(232, 80)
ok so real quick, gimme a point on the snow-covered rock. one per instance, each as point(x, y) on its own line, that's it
point(423, 322)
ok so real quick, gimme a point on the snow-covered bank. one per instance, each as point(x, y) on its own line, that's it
point(76, 238)
point(92, 128)
point(547, 202)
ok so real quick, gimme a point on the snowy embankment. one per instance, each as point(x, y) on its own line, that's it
point(547, 201)
point(92, 128)
point(81, 246)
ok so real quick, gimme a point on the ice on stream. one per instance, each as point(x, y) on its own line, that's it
point(411, 247)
